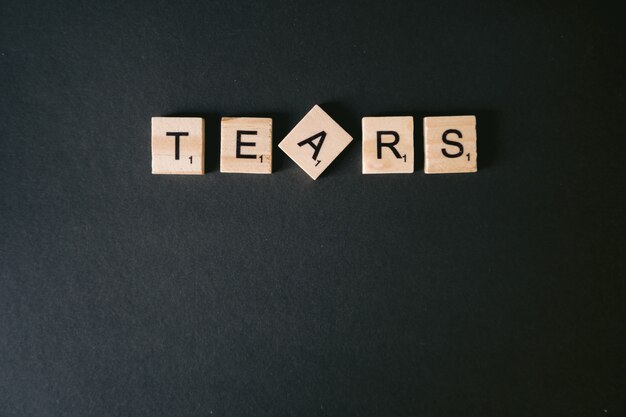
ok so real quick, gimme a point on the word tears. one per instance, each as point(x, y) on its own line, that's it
point(314, 143)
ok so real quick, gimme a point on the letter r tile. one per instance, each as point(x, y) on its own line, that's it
point(315, 142)
point(388, 145)
point(177, 145)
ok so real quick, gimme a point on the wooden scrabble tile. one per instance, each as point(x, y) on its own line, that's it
point(450, 144)
point(246, 145)
point(177, 145)
point(315, 142)
point(388, 145)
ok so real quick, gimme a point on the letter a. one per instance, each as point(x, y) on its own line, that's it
point(316, 148)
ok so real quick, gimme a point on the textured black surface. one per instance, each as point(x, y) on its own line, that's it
point(495, 294)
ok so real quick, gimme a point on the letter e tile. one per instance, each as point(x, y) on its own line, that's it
point(246, 145)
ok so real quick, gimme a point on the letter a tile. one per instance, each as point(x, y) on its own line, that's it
point(450, 144)
point(177, 145)
point(315, 142)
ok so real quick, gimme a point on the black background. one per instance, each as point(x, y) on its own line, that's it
point(489, 294)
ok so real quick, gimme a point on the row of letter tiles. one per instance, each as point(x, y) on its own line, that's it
point(314, 143)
